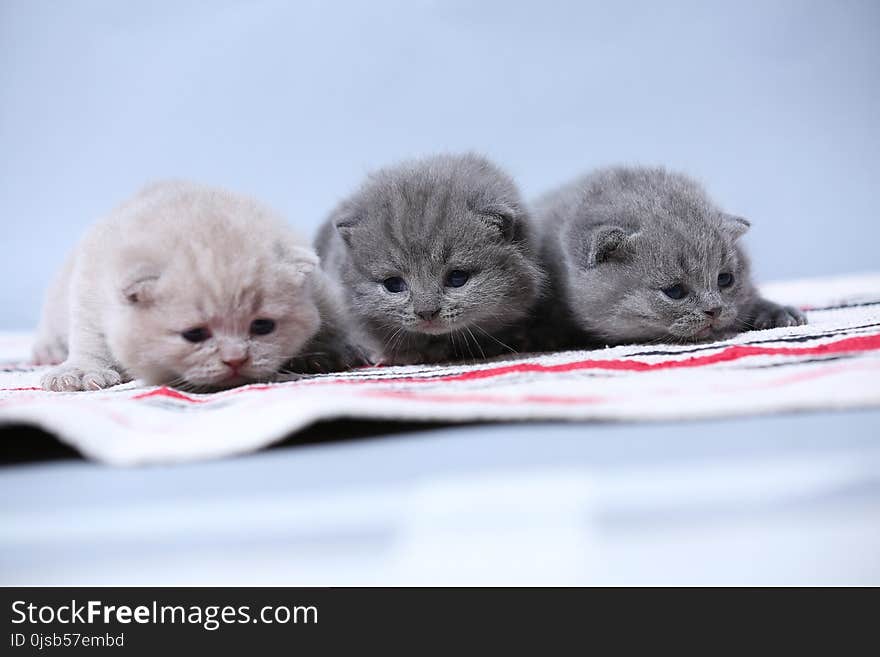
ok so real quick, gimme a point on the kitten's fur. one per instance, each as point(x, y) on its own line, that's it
point(615, 239)
point(419, 221)
point(175, 257)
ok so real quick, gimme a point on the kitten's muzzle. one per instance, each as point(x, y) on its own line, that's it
point(427, 314)
point(432, 326)
point(235, 364)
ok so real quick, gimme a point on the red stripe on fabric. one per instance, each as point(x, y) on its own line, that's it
point(827, 371)
point(464, 398)
point(419, 396)
point(734, 352)
point(169, 393)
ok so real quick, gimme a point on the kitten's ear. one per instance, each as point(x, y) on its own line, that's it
point(345, 227)
point(298, 261)
point(608, 243)
point(140, 292)
point(501, 218)
point(296, 254)
point(734, 226)
point(303, 260)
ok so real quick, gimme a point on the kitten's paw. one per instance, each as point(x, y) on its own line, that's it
point(71, 378)
point(331, 359)
point(49, 351)
point(770, 315)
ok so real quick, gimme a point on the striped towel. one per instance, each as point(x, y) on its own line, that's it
point(833, 362)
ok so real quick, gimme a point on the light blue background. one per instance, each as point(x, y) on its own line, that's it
point(773, 104)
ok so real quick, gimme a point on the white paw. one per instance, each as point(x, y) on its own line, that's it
point(70, 378)
point(48, 351)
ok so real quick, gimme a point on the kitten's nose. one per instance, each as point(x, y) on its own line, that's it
point(713, 312)
point(428, 315)
point(235, 363)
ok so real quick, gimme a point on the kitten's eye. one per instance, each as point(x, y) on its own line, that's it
point(197, 334)
point(456, 278)
point(394, 284)
point(262, 326)
point(675, 292)
point(725, 279)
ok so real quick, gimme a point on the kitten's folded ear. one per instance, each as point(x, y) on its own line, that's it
point(302, 260)
point(344, 231)
point(734, 226)
point(608, 243)
point(500, 217)
point(141, 290)
point(346, 221)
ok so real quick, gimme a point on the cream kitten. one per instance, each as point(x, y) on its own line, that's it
point(183, 285)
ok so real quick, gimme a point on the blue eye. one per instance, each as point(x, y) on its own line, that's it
point(262, 326)
point(394, 284)
point(725, 279)
point(198, 334)
point(675, 292)
point(457, 278)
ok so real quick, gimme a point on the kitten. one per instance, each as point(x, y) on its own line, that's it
point(183, 285)
point(641, 255)
point(333, 348)
point(436, 259)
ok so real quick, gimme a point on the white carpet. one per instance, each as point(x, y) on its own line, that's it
point(832, 363)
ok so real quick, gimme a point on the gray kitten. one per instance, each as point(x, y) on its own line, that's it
point(643, 255)
point(436, 259)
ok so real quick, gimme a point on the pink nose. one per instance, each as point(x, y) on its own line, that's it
point(235, 363)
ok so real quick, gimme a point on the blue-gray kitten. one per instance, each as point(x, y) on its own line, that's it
point(436, 259)
point(643, 255)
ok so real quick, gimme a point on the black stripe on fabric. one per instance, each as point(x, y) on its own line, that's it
point(806, 361)
point(722, 345)
point(427, 375)
point(862, 304)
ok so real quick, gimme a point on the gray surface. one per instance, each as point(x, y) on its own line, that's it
point(454, 450)
point(375, 510)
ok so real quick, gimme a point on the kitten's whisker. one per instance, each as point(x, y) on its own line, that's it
point(283, 376)
point(390, 340)
point(468, 345)
point(477, 342)
point(392, 343)
point(492, 337)
point(179, 383)
point(452, 339)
